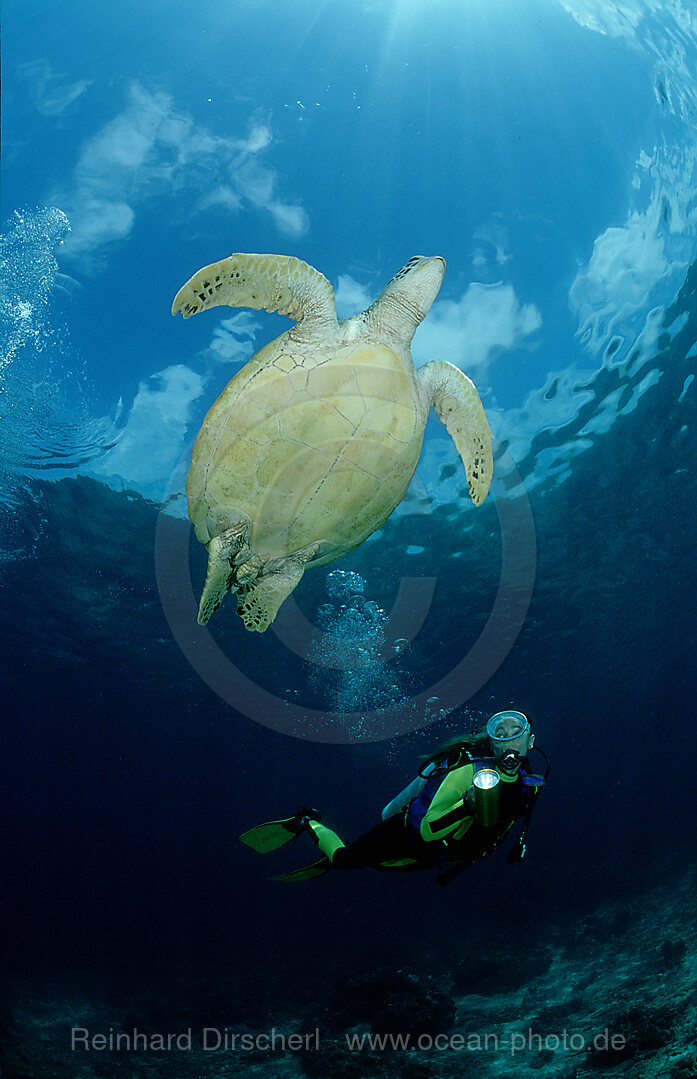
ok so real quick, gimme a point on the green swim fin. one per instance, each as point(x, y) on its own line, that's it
point(306, 872)
point(276, 833)
point(272, 835)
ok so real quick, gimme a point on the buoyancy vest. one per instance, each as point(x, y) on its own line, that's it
point(419, 806)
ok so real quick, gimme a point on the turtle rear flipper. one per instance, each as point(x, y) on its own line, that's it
point(222, 549)
point(258, 600)
point(258, 603)
point(455, 399)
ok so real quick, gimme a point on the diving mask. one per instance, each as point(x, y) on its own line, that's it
point(506, 727)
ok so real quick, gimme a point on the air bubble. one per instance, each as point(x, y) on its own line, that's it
point(352, 666)
point(343, 583)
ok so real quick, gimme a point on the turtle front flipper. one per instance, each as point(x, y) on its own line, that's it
point(274, 282)
point(457, 402)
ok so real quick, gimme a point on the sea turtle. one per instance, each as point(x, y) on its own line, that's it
point(312, 445)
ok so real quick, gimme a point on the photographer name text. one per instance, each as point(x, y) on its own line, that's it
point(210, 1039)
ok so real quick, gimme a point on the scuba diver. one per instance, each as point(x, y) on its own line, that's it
point(462, 804)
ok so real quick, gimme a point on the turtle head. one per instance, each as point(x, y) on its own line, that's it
point(407, 299)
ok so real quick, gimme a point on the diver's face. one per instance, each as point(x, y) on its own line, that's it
point(521, 745)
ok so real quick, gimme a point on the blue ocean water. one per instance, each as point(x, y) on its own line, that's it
point(547, 151)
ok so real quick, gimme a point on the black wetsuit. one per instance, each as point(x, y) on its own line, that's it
point(437, 827)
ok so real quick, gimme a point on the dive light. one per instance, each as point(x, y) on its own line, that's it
point(486, 797)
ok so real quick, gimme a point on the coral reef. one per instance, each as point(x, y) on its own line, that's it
point(572, 1007)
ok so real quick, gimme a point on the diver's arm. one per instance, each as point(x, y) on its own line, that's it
point(449, 808)
point(401, 800)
